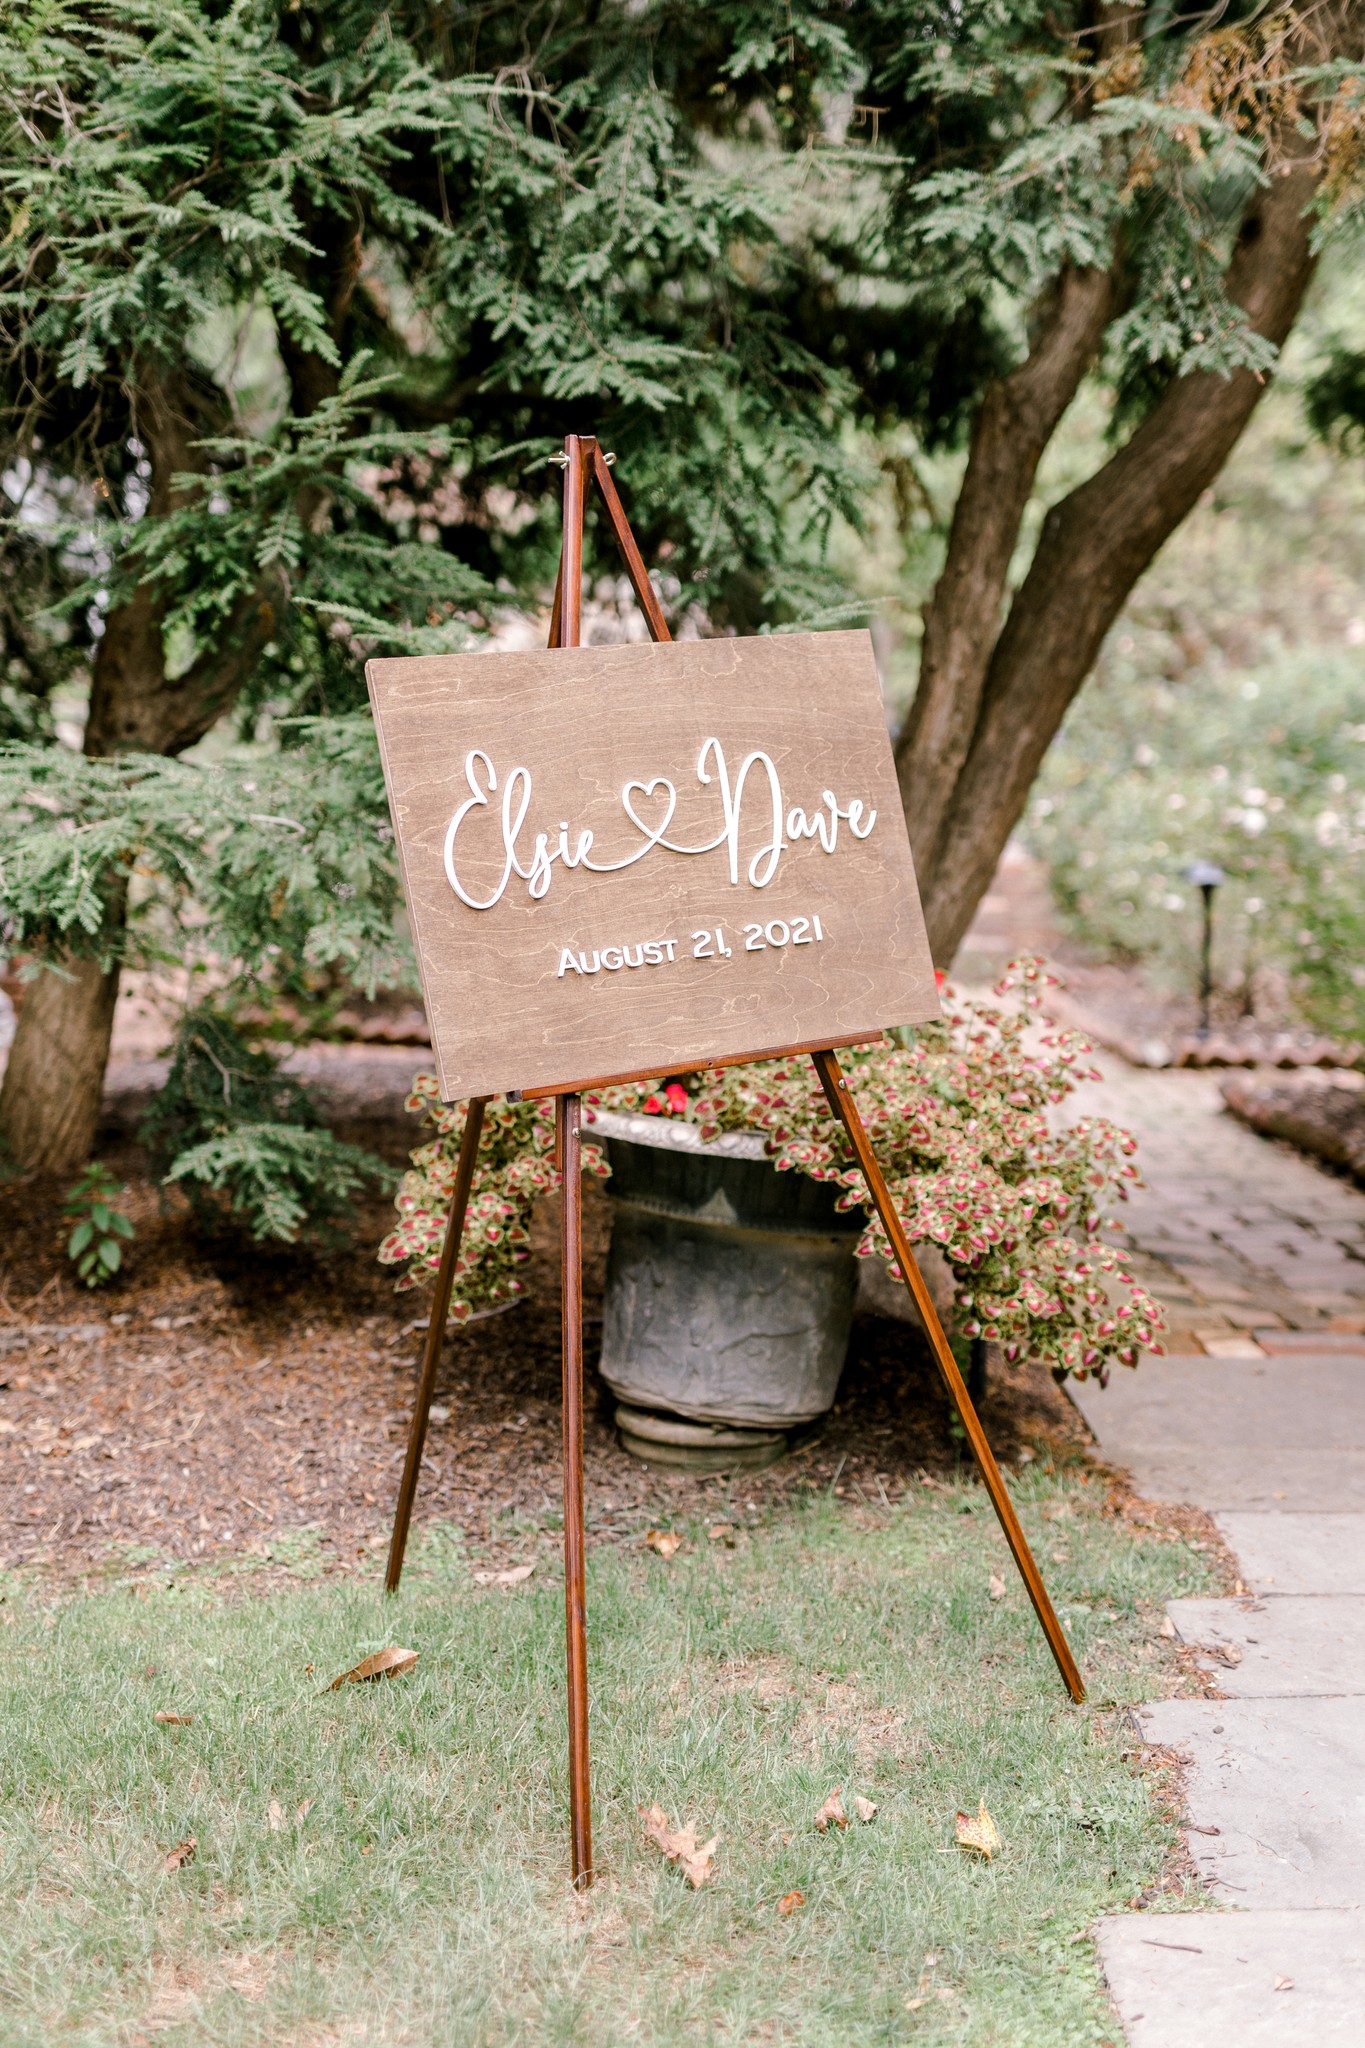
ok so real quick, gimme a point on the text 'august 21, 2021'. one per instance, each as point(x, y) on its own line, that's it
point(708, 943)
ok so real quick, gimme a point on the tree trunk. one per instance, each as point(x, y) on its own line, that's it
point(1093, 548)
point(1018, 418)
point(64, 1032)
point(50, 1096)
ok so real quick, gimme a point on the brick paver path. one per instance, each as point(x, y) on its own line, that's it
point(1235, 1232)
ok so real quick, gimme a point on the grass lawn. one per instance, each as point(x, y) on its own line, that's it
point(422, 1896)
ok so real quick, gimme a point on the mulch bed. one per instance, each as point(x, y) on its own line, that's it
point(218, 1397)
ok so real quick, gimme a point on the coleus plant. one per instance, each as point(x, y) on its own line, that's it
point(958, 1110)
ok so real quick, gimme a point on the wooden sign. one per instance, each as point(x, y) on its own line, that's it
point(633, 860)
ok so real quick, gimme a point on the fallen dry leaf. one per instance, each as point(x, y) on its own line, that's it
point(866, 1809)
point(1283, 1984)
point(169, 1720)
point(664, 1541)
point(995, 1586)
point(302, 1810)
point(181, 1854)
point(722, 1532)
point(274, 1814)
point(515, 1575)
point(790, 1901)
point(1225, 1653)
point(1167, 1628)
point(384, 1664)
point(680, 1845)
point(832, 1812)
point(981, 1835)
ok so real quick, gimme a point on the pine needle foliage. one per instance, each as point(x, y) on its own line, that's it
point(274, 867)
point(245, 1141)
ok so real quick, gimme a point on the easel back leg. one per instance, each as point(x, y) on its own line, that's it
point(436, 1327)
point(840, 1099)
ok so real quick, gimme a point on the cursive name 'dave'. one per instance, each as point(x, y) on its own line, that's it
point(754, 796)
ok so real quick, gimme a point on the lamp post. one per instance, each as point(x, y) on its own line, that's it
point(1205, 875)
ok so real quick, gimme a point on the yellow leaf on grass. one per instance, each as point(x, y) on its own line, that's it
point(169, 1720)
point(981, 1835)
point(664, 1541)
point(515, 1575)
point(680, 1846)
point(274, 1814)
point(181, 1854)
point(790, 1902)
point(832, 1813)
point(388, 1663)
point(866, 1809)
point(303, 1808)
point(995, 1586)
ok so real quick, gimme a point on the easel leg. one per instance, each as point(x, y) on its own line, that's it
point(436, 1328)
point(841, 1102)
point(575, 1592)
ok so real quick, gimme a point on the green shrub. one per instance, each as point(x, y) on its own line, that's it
point(246, 1143)
point(94, 1245)
point(1262, 772)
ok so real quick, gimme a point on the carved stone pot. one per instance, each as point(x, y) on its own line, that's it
point(730, 1292)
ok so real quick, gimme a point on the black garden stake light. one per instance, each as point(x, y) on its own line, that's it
point(1206, 875)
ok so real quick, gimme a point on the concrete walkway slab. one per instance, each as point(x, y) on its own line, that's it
point(1290, 1649)
point(1305, 1553)
point(1229, 1433)
point(1275, 1794)
point(1277, 1404)
point(1185, 1980)
point(1230, 1478)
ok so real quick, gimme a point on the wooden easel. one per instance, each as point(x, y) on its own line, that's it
point(582, 459)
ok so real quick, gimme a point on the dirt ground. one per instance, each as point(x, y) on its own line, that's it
point(216, 1398)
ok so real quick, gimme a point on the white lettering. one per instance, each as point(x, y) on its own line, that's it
point(781, 827)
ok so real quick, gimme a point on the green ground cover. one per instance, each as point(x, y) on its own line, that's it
point(422, 1896)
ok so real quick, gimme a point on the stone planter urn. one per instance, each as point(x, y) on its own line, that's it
point(730, 1293)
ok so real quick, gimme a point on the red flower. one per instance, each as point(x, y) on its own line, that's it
point(654, 1107)
point(677, 1097)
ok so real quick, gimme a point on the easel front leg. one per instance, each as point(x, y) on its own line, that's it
point(841, 1101)
point(575, 1590)
point(436, 1327)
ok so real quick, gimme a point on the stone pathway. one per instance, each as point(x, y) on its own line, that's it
point(1260, 1257)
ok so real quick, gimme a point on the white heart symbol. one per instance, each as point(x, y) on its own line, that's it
point(647, 789)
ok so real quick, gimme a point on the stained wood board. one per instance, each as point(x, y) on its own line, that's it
point(636, 859)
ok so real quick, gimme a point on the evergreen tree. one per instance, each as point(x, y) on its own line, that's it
point(296, 299)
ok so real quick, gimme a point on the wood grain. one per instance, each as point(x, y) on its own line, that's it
point(504, 1011)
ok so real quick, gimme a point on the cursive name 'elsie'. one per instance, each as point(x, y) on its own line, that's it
point(782, 825)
